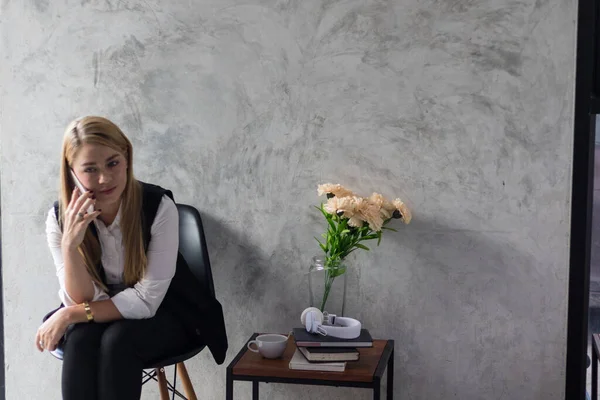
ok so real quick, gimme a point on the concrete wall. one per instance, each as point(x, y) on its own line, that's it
point(463, 108)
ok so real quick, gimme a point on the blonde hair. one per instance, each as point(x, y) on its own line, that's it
point(101, 131)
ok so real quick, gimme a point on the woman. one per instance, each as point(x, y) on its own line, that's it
point(113, 272)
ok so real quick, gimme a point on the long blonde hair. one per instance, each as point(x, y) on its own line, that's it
point(101, 131)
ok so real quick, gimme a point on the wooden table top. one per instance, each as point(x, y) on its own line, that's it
point(363, 370)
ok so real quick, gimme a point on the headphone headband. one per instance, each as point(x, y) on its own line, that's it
point(345, 328)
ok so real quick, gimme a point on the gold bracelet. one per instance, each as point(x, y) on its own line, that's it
point(88, 311)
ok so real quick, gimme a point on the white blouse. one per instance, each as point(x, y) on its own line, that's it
point(142, 300)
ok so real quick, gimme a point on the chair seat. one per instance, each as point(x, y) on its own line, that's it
point(175, 360)
point(58, 353)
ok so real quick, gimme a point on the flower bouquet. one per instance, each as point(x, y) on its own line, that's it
point(352, 220)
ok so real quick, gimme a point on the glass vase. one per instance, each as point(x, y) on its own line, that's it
point(327, 292)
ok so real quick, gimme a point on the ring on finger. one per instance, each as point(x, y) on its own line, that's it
point(41, 343)
point(80, 215)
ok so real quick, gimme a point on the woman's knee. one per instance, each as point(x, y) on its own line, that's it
point(117, 339)
point(82, 339)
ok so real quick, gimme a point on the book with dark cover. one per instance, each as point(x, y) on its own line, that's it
point(306, 339)
point(329, 354)
point(299, 362)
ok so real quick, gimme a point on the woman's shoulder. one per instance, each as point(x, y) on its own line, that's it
point(150, 189)
point(53, 211)
point(166, 211)
point(158, 202)
point(150, 186)
point(52, 218)
point(166, 204)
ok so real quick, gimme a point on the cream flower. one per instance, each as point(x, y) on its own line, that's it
point(347, 205)
point(337, 190)
point(355, 221)
point(386, 207)
point(359, 204)
point(369, 212)
point(405, 214)
point(332, 205)
point(385, 214)
point(373, 217)
point(377, 199)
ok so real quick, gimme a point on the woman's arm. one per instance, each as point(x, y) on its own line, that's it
point(52, 330)
point(76, 285)
point(78, 282)
point(103, 311)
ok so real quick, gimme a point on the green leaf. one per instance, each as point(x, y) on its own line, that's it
point(361, 246)
point(388, 229)
point(370, 237)
point(321, 245)
point(326, 215)
point(322, 210)
point(332, 224)
point(344, 223)
point(379, 239)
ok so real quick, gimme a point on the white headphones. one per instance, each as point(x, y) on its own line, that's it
point(329, 324)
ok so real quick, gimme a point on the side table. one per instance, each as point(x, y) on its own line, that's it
point(364, 373)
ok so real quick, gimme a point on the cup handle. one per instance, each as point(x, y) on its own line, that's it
point(250, 343)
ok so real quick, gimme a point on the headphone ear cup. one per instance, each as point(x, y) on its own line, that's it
point(319, 315)
point(310, 322)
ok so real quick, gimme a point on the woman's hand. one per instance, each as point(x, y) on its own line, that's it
point(76, 219)
point(49, 334)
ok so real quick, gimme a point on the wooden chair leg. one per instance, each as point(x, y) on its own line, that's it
point(162, 384)
point(188, 389)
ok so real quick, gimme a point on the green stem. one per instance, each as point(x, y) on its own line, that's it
point(328, 283)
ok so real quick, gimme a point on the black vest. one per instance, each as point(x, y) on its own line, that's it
point(199, 311)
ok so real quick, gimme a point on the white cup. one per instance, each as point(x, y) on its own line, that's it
point(269, 345)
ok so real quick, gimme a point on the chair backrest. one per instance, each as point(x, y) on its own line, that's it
point(192, 245)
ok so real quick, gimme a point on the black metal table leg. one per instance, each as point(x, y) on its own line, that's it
point(254, 390)
point(376, 389)
point(229, 386)
point(390, 377)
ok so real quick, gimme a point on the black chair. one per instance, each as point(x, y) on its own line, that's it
point(192, 246)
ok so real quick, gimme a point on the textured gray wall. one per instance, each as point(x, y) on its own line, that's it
point(462, 107)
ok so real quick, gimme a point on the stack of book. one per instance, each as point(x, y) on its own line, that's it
point(315, 352)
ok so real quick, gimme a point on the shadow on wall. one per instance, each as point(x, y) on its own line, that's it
point(254, 293)
point(456, 305)
point(238, 267)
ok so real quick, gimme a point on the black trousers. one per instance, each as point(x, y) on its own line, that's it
point(103, 361)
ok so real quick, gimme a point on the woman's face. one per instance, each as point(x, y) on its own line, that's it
point(102, 170)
